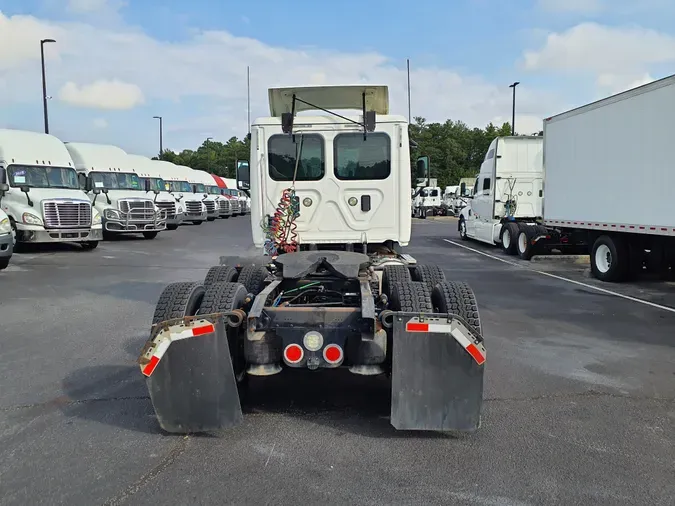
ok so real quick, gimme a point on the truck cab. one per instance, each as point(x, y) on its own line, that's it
point(226, 203)
point(43, 200)
point(199, 188)
point(177, 182)
point(235, 201)
point(107, 175)
point(345, 183)
point(213, 192)
point(151, 177)
point(509, 188)
point(241, 196)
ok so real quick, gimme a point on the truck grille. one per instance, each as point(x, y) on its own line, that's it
point(138, 210)
point(67, 214)
point(224, 205)
point(210, 206)
point(169, 207)
point(194, 208)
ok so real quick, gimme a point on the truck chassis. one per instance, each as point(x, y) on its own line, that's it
point(377, 313)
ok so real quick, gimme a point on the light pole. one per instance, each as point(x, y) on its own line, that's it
point(208, 153)
point(513, 113)
point(161, 147)
point(44, 82)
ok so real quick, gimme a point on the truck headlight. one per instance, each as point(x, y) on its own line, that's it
point(5, 226)
point(111, 214)
point(31, 219)
point(96, 218)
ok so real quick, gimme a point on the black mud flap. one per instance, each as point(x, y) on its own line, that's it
point(437, 373)
point(189, 375)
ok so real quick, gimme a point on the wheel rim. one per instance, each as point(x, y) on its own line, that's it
point(462, 228)
point(522, 242)
point(603, 258)
point(506, 238)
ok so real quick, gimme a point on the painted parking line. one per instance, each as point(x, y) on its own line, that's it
point(561, 278)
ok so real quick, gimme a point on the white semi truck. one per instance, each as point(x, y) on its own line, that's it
point(223, 205)
point(126, 206)
point(241, 197)
point(196, 180)
point(148, 171)
point(183, 191)
point(43, 200)
point(507, 192)
point(330, 206)
point(6, 239)
point(621, 142)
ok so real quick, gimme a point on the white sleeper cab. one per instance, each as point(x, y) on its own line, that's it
point(150, 175)
point(176, 179)
point(43, 200)
point(107, 174)
point(242, 198)
point(221, 204)
point(199, 188)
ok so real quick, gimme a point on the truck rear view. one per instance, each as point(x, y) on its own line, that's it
point(597, 154)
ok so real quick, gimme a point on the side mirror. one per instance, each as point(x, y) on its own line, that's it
point(194, 188)
point(148, 185)
point(24, 188)
point(287, 122)
point(3, 182)
point(3, 188)
point(462, 189)
point(243, 175)
point(104, 190)
point(422, 166)
point(96, 191)
point(369, 121)
point(157, 192)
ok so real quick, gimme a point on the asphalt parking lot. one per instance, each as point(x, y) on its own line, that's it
point(579, 395)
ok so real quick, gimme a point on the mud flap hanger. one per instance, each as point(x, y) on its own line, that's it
point(369, 117)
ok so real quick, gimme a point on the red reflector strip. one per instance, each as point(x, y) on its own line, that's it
point(206, 329)
point(417, 327)
point(150, 366)
point(476, 354)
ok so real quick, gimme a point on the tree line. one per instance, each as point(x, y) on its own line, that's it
point(455, 150)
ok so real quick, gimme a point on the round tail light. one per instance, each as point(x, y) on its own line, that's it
point(333, 354)
point(293, 353)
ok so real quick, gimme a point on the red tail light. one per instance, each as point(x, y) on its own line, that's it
point(333, 354)
point(293, 353)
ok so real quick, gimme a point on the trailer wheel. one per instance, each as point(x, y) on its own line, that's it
point(524, 244)
point(457, 297)
point(509, 238)
point(411, 297)
point(253, 278)
point(428, 274)
point(392, 274)
point(226, 296)
point(462, 229)
point(609, 259)
point(178, 300)
point(220, 273)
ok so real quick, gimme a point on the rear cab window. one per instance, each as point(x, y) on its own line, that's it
point(358, 159)
point(282, 154)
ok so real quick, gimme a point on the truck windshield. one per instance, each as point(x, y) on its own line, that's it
point(200, 188)
point(42, 177)
point(180, 186)
point(116, 180)
point(283, 153)
point(156, 183)
point(357, 158)
point(214, 190)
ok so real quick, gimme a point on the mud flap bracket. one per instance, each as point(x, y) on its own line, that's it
point(437, 372)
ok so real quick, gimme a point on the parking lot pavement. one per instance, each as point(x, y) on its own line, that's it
point(578, 398)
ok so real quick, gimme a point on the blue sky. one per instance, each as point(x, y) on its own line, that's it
point(116, 64)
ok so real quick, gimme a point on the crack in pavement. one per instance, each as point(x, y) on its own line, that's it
point(163, 464)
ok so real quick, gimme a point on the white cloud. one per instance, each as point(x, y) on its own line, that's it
point(573, 6)
point(100, 123)
point(102, 94)
point(90, 6)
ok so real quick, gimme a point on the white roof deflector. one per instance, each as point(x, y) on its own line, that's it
point(329, 97)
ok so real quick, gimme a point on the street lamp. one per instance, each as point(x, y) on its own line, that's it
point(44, 82)
point(161, 147)
point(513, 114)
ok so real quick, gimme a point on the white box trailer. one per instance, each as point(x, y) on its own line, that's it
point(593, 156)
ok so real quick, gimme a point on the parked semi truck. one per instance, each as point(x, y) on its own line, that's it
point(43, 200)
point(334, 290)
point(150, 177)
point(223, 206)
point(6, 239)
point(107, 175)
point(183, 191)
point(241, 196)
point(199, 188)
point(233, 202)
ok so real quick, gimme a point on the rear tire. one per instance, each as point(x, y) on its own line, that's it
point(431, 275)
point(178, 300)
point(392, 274)
point(150, 235)
point(509, 238)
point(219, 274)
point(253, 278)
point(462, 230)
point(524, 244)
point(457, 297)
point(411, 297)
point(609, 259)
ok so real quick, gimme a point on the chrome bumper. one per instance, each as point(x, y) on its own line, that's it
point(129, 222)
point(59, 235)
point(6, 245)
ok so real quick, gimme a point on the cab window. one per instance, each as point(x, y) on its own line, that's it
point(282, 152)
point(358, 158)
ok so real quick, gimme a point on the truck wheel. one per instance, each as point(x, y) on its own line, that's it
point(178, 300)
point(462, 230)
point(431, 275)
point(509, 238)
point(392, 274)
point(89, 245)
point(150, 235)
point(220, 273)
point(253, 278)
point(411, 297)
point(172, 227)
point(524, 244)
point(457, 297)
point(609, 259)
point(197, 222)
point(226, 296)
point(4, 262)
